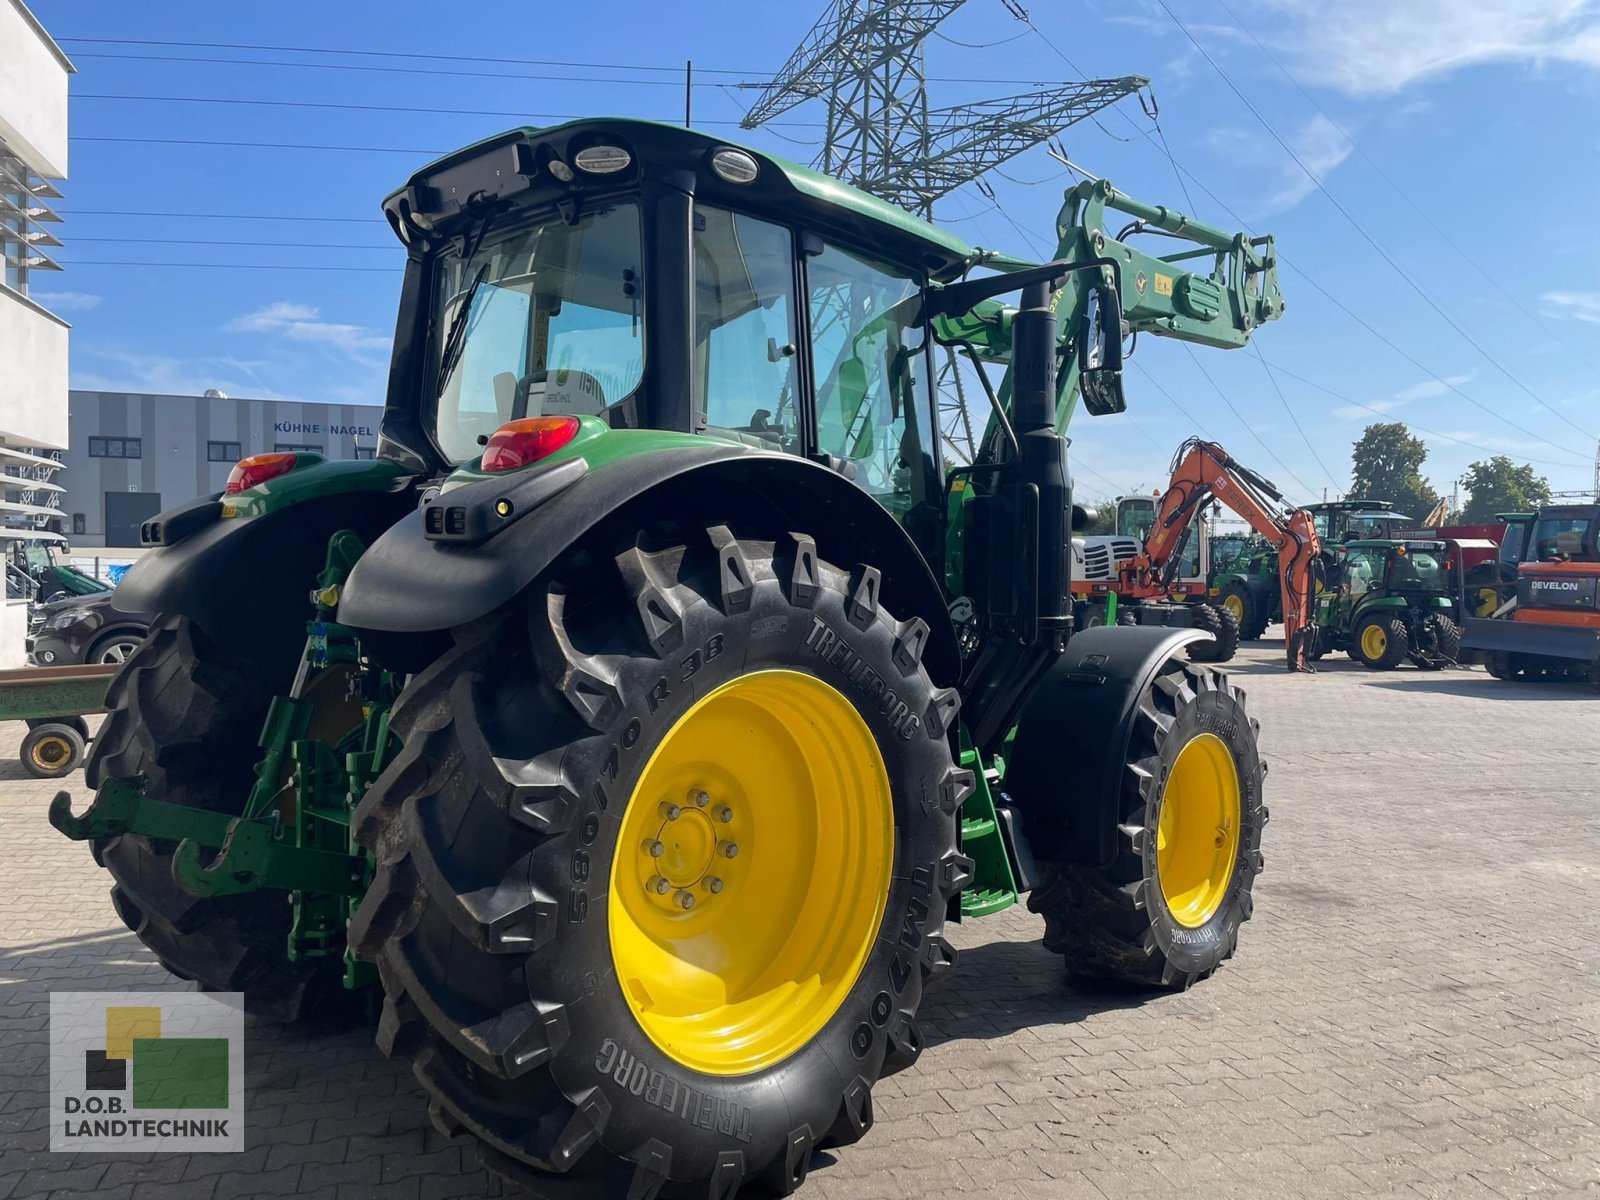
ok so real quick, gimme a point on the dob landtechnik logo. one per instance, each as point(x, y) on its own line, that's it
point(146, 1071)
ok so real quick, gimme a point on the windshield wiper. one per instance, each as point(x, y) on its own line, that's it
point(456, 336)
point(455, 339)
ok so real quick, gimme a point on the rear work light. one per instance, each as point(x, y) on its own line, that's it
point(258, 468)
point(525, 441)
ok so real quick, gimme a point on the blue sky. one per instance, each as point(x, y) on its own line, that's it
point(1430, 122)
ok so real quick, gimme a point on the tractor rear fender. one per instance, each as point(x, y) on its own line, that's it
point(1067, 763)
point(409, 584)
point(247, 580)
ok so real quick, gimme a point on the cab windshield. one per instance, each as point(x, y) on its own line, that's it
point(1417, 569)
point(1563, 537)
point(542, 318)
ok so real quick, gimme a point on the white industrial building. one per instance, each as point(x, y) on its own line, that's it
point(33, 340)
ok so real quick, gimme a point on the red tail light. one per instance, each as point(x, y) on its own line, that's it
point(258, 468)
point(518, 443)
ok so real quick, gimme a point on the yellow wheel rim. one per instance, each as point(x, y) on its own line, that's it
point(49, 752)
point(1197, 838)
point(751, 873)
point(1235, 605)
point(1488, 601)
point(1374, 641)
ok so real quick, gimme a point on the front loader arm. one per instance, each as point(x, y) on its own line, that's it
point(1202, 471)
point(1213, 291)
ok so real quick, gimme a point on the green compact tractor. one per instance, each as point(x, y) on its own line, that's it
point(1386, 601)
point(1248, 586)
point(635, 720)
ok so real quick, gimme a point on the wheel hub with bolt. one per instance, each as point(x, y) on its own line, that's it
point(752, 872)
point(689, 854)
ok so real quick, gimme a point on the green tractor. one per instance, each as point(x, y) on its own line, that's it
point(1248, 586)
point(1387, 601)
point(635, 719)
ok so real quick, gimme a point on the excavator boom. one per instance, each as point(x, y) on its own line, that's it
point(1204, 471)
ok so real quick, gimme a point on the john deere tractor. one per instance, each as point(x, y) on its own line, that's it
point(1249, 587)
point(633, 722)
point(1386, 601)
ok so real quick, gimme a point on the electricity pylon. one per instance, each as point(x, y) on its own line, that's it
point(865, 59)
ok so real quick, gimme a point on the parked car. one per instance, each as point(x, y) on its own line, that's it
point(84, 629)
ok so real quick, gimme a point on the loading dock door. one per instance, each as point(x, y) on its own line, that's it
point(125, 512)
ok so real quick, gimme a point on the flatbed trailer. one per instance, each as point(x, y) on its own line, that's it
point(54, 701)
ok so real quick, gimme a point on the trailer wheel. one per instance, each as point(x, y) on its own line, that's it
point(186, 715)
point(1224, 630)
point(1166, 910)
point(1380, 642)
point(51, 750)
point(663, 867)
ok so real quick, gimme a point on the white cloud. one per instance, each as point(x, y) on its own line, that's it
point(1377, 47)
point(299, 323)
point(1317, 143)
point(66, 301)
point(1430, 388)
point(111, 369)
point(1573, 306)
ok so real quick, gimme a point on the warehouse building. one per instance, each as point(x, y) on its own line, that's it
point(132, 455)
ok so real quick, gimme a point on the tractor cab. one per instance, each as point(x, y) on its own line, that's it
point(652, 277)
point(1342, 521)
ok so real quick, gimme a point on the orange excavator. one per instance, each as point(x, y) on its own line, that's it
point(1201, 472)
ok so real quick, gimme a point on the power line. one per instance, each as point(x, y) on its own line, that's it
point(1378, 412)
point(1184, 172)
point(1483, 272)
point(465, 58)
point(1223, 396)
point(91, 262)
point(141, 141)
point(1344, 308)
point(75, 213)
point(1361, 229)
point(436, 71)
point(389, 108)
point(138, 241)
point(1171, 399)
point(1283, 400)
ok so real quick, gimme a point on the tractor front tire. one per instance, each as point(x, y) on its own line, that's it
point(663, 866)
point(1165, 911)
point(187, 716)
point(1380, 642)
point(1223, 627)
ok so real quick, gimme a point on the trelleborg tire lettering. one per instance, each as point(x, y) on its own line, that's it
point(495, 829)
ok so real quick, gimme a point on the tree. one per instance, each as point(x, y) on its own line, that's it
point(1499, 486)
point(1387, 465)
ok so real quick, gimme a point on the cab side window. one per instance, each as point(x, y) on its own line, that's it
point(874, 395)
point(745, 329)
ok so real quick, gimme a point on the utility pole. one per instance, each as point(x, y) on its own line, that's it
point(865, 60)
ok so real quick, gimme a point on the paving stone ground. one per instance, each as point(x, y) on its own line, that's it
point(1414, 1011)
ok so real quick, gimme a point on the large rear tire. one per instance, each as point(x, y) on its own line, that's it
point(1165, 911)
point(187, 716)
point(1251, 615)
point(1380, 642)
point(582, 978)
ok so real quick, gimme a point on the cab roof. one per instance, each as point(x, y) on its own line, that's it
point(664, 147)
